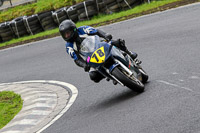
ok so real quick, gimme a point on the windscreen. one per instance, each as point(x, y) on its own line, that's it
point(88, 44)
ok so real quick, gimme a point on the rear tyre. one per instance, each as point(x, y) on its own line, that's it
point(132, 83)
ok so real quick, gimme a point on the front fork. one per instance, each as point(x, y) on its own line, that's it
point(129, 73)
point(106, 73)
point(118, 63)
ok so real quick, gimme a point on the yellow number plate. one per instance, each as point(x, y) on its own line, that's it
point(98, 56)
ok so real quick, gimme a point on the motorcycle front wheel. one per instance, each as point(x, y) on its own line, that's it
point(131, 82)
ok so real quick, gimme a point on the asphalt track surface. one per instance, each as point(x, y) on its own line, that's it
point(168, 43)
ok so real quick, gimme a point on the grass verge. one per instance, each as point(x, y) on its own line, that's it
point(100, 20)
point(10, 105)
point(31, 8)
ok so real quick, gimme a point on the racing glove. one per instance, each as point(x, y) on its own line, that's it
point(104, 35)
point(108, 37)
point(120, 43)
point(86, 68)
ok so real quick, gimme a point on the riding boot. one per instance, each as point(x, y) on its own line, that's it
point(121, 45)
point(133, 55)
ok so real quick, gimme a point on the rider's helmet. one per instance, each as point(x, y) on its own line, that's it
point(67, 29)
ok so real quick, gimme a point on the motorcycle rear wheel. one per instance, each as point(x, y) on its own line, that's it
point(134, 85)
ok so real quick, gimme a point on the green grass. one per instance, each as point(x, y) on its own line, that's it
point(43, 5)
point(99, 19)
point(50, 32)
point(10, 105)
point(34, 8)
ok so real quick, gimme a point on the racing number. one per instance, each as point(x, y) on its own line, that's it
point(100, 53)
point(94, 56)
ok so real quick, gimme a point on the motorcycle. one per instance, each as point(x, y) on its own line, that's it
point(113, 64)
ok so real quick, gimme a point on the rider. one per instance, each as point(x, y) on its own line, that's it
point(74, 36)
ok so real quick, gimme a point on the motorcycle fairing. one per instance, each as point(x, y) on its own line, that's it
point(100, 55)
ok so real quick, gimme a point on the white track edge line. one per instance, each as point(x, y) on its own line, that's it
point(74, 93)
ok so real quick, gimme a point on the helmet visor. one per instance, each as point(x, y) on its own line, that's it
point(68, 34)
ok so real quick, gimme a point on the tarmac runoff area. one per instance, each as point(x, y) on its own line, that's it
point(6, 4)
point(44, 102)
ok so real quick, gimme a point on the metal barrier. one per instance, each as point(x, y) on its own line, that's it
point(2, 1)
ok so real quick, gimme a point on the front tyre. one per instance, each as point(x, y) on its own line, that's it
point(131, 82)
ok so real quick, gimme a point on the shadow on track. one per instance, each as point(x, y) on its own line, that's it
point(118, 98)
point(114, 100)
